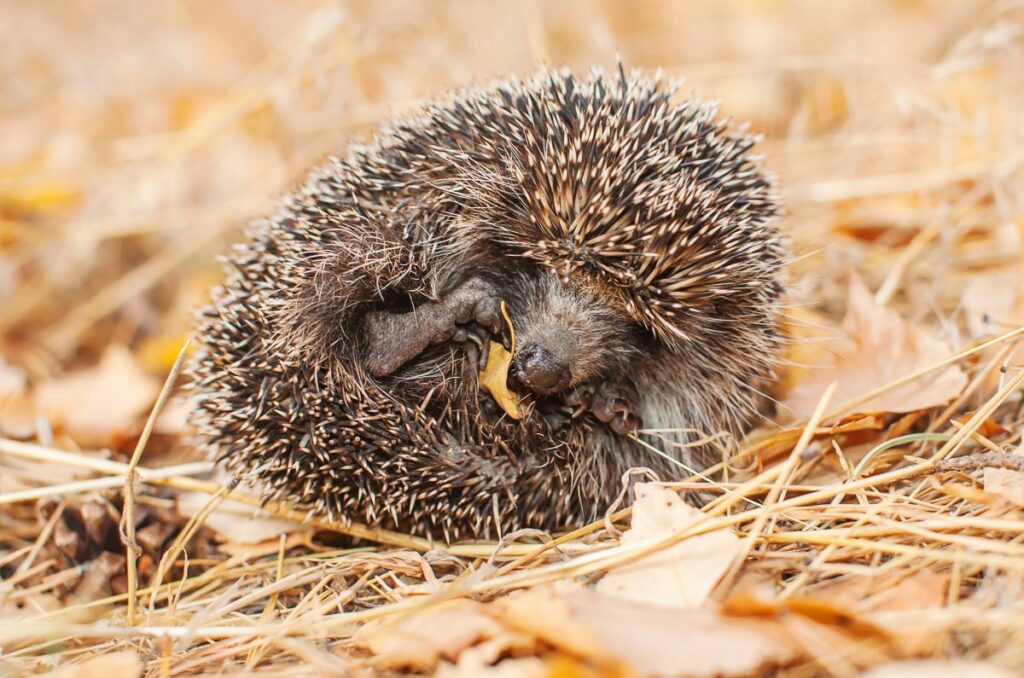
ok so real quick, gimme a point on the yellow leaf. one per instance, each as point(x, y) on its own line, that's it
point(494, 375)
point(493, 379)
point(157, 354)
point(44, 199)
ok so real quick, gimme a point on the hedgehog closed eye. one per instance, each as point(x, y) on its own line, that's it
point(633, 240)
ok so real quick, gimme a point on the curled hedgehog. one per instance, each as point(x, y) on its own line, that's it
point(631, 237)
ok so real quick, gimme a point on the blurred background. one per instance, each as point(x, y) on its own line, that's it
point(137, 139)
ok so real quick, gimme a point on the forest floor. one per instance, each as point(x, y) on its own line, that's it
point(874, 527)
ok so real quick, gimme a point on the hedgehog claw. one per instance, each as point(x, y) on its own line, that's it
point(477, 340)
point(581, 397)
point(608, 405)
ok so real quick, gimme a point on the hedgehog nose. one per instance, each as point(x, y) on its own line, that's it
point(541, 371)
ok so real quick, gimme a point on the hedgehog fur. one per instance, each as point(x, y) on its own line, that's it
point(632, 236)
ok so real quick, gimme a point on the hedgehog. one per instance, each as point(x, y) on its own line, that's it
point(625, 235)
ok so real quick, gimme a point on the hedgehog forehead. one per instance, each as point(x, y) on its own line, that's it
point(670, 219)
point(615, 180)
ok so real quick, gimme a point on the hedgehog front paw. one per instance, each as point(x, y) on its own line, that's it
point(476, 310)
point(467, 313)
point(476, 301)
point(609, 403)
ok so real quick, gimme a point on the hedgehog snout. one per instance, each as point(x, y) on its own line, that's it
point(540, 370)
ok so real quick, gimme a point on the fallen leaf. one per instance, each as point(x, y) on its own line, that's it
point(876, 348)
point(928, 668)
point(420, 641)
point(623, 637)
point(1006, 483)
point(473, 663)
point(783, 441)
point(888, 591)
point(236, 522)
point(546, 614)
point(820, 610)
point(889, 220)
point(989, 301)
point(494, 380)
point(121, 664)
point(693, 643)
point(988, 428)
point(494, 375)
point(680, 576)
point(100, 402)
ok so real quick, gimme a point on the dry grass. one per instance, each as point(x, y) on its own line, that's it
point(136, 139)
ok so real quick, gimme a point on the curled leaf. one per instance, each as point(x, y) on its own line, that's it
point(494, 375)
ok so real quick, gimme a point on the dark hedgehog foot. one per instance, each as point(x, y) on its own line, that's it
point(609, 403)
point(477, 340)
point(467, 313)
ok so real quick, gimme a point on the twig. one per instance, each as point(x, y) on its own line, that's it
point(146, 475)
point(131, 481)
point(979, 460)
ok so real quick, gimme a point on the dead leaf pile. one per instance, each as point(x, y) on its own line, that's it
point(563, 625)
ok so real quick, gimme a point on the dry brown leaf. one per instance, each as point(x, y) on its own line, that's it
point(876, 348)
point(924, 589)
point(477, 661)
point(545, 614)
point(100, 402)
point(893, 220)
point(693, 643)
point(889, 591)
point(234, 521)
point(937, 669)
point(819, 610)
point(628, 637)
point(1006, 483)
point(990, 302)
point(988, 428)
point(418, 642)
point(783, 441)
point(681, 576)
point(121, 664)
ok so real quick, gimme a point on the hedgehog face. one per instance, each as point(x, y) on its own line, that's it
point(567, 334)
point(629, 231)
